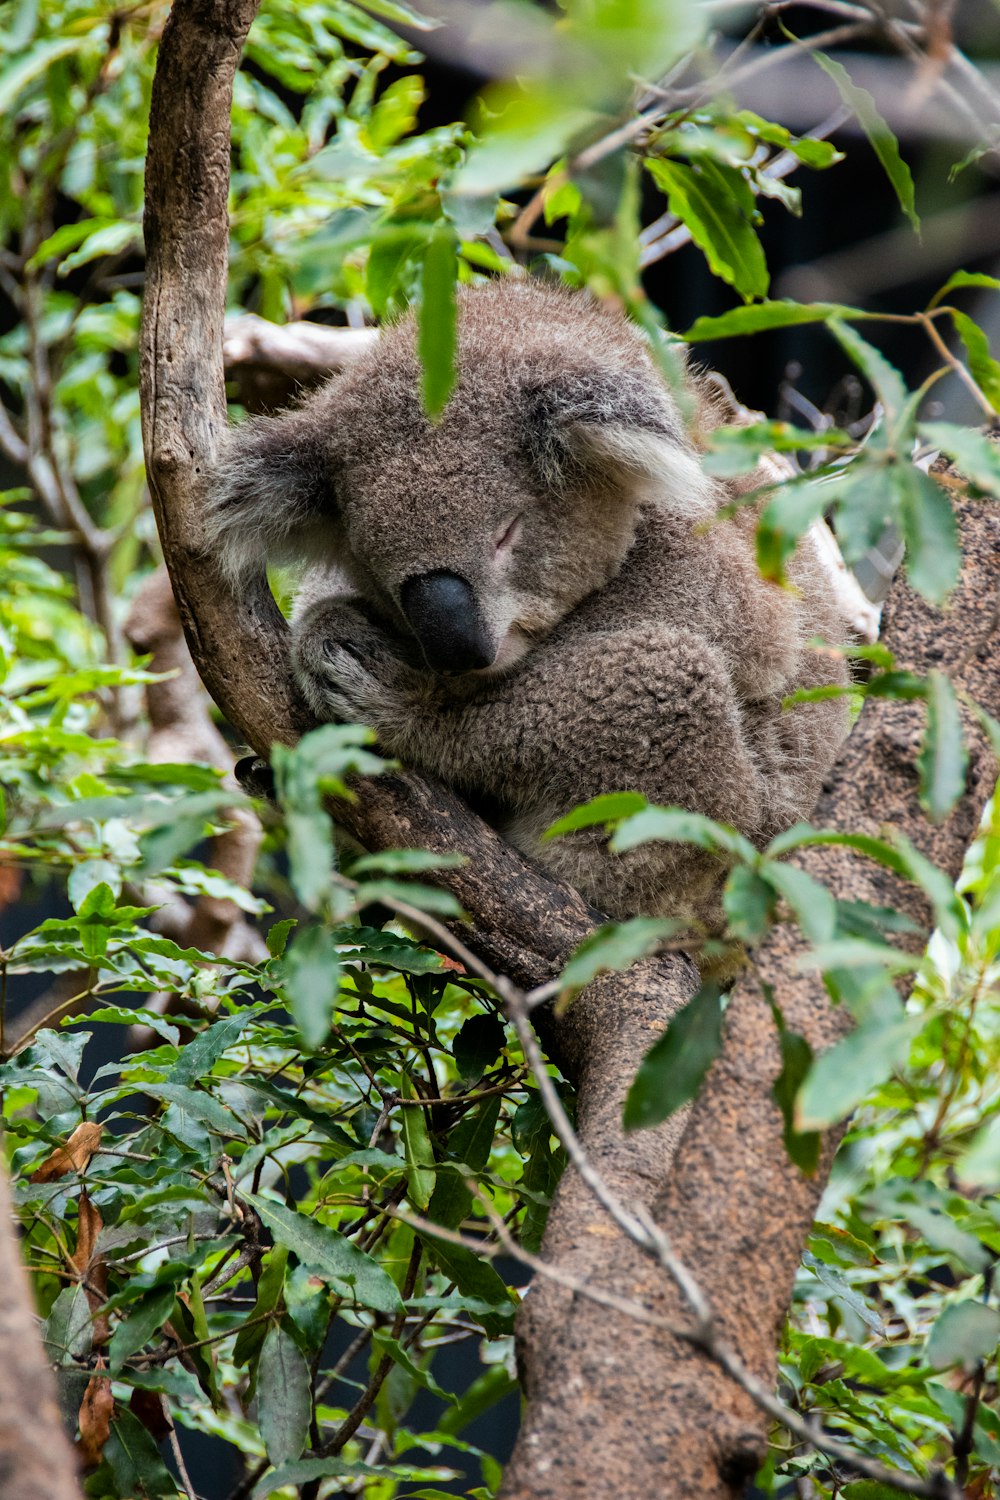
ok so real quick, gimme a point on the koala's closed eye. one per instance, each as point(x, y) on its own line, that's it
point(524, 598)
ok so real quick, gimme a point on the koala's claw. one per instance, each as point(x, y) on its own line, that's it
point(349, 667)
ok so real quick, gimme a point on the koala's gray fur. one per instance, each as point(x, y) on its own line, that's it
point(562, 502)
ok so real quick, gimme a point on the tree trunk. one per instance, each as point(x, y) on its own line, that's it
point(36, 1456)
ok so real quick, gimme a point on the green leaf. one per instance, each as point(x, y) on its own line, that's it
point(813, 905)
point(985, 369)
point(803, 1146)
point(929, 531)
point(199, 1057)
point(677, 826)
point(965, 1333)
point(310, 970)
point(716, 205)
point(437, 322)
point(843, 1076)
point(329, 1254)
point(478, 1044)
point(748, 901)
point(675, 1066)
point(806, 149)
point(146, 1317)
point(882, 140)
point(960, 279)
point(200, 1106)
point(784, 521)
point(943, 760)
point(277, 936)
point(475, 1278)
point(615, 946)
point(421, 1165)
point(605, 810)
point(284, 1396)
point(85, 877)
point(740, 321)
point(976, 455)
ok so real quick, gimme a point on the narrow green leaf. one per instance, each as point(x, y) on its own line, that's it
point(609, 808)
point(960, 279)
point(929, 531)
point(677, 826)
point(675, 1066)
point(284, 1396)
point(145, 1318)
point(715, 203)
point(740, 321)
point(615, 946)
point(437, 322)
point(311, 973)
point(199, 1057)
point(329, 1254)
point(842, 1077)
point(943, 760)
point(985, 369)
point(784, 521)
point(882, 140)
point(417, 1146)
point(803, 1146)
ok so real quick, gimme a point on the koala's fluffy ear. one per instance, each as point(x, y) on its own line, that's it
point(272, 493)
point(613, 426)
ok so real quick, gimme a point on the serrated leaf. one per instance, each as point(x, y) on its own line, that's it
point(284, 1396)
point(943, 760)
point(882, 140)
point(615, 946)
point(974, 454)
point(929, 531)
point(675, 1066)
point(329, 1254)
point(885, 380)
point(710, 199)
point(437, 322)
point(965, 1333)
point(984, 368)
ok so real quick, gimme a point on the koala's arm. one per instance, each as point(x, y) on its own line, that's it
point(650, 709)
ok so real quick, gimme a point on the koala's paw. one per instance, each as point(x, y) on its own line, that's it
point(349, 668)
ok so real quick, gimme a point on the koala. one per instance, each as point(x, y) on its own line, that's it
point(534, 598)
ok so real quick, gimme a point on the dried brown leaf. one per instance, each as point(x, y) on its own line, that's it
point(96, 1411)
point(74, 1156)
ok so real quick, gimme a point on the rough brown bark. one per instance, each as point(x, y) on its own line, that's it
point(736, 1211)
point(611, 1412)
point(36, 1457)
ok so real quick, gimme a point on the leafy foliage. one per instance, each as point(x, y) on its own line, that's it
point(236, 1224)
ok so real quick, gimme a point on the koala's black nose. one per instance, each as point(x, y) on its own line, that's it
point(442, 609)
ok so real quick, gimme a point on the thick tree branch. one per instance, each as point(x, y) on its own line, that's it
point(35, 1455)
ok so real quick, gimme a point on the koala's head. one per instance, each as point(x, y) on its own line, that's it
point(480, 533)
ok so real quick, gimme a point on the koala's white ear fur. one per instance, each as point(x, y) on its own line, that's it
point(272, 493)
point(676, 472)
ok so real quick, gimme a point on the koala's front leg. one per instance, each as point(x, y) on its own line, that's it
point(352, 671)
